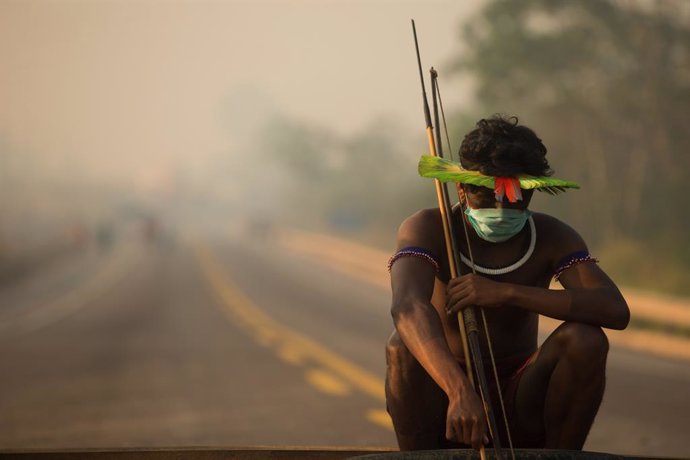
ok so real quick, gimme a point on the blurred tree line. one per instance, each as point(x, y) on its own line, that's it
point(362, 185)
point(605, 84)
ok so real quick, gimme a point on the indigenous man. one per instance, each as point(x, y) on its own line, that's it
point(551, 393)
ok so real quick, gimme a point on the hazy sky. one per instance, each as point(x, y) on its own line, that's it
point(129, 87)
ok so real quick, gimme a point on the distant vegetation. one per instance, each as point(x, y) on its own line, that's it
point(364, 184)
point(606, 84)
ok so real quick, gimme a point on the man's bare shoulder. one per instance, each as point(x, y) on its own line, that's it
point(554, 228)
point(557, 237)
point(428, 216)
point(422, 229)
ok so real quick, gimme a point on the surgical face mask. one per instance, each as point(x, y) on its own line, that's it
point(497, 225)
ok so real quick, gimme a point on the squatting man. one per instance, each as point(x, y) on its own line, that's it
point(552, 392)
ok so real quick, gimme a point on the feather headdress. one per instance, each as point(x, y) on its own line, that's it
point(450, 171)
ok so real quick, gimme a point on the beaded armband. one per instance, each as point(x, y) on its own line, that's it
point(572, 260)
point(413, 251)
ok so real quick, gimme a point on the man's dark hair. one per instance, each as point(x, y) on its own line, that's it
point(498, 146)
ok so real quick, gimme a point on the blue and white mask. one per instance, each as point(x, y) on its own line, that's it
point(497, 225)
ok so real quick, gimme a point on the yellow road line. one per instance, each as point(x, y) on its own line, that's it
point(327, 382)
point(380, 417)
point(288, 344)
point(290, 355)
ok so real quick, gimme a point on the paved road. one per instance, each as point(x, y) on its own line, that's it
point(220, 342)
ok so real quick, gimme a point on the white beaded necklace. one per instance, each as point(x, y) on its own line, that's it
point(512, 267)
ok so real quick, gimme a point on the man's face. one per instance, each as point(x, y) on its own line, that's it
point(482, 197)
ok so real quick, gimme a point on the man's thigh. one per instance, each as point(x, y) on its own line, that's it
point(567, 372)
point(530, 395)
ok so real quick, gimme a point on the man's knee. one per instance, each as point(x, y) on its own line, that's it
point(404, 374)
point(583, 342)
point(415, 403)
point(397, 353)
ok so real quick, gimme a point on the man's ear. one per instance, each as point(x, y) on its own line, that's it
point(461, 193)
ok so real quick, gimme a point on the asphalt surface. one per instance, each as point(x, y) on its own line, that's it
point(219, 341)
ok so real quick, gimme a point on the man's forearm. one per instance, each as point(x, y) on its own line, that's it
point(422, 332)
point(603, 306)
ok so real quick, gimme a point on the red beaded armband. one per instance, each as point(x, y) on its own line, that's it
point(572, 260)
point(414, 252)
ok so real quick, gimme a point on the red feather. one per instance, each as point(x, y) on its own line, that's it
point(510, 186)
point(499, 188)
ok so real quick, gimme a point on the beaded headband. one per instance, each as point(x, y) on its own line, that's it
point(510, 187)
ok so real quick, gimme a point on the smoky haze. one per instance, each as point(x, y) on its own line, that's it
point(198, 199)
point(154, 100)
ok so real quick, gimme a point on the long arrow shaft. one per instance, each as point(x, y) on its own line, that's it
point(468, 322)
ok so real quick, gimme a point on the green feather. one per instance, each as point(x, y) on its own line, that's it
point(549, 184)
point(449, 171)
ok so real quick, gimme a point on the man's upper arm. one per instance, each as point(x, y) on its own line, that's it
point(572, 263)
point(413, 275)
point(594, 294)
